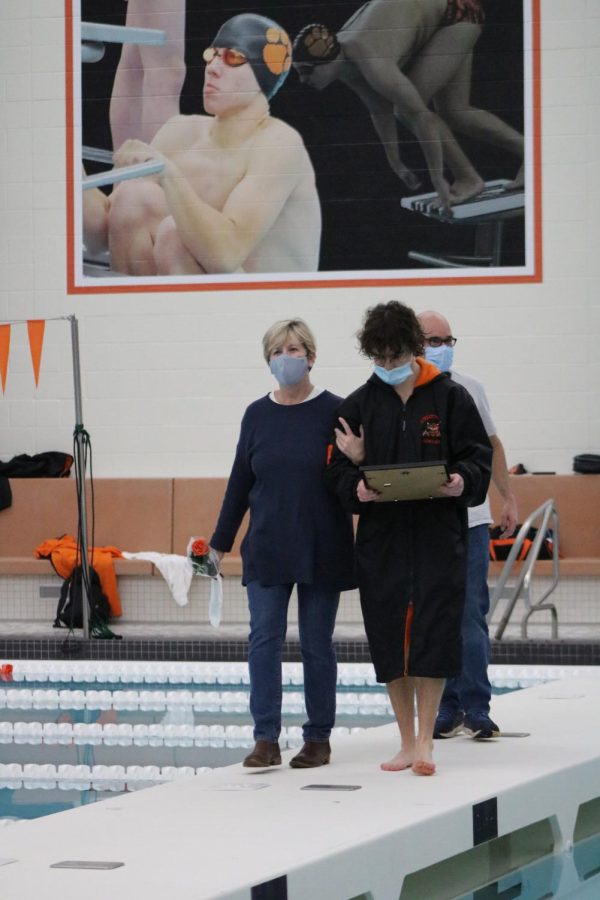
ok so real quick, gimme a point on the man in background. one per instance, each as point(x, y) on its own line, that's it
point(465, 703)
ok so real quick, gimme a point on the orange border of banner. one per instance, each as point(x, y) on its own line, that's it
point(535, 277)
point(4, 352)
point(70, 171)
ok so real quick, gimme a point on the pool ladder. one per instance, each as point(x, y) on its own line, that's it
point(522, 587)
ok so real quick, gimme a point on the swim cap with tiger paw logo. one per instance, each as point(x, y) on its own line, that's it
point(265, 44)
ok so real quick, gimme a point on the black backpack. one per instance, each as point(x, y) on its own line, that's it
point(501, 547)
point(51, 464)
point(69, 612)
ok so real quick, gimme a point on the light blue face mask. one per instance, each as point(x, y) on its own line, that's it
point(288, 370)
point(394, 376)
point(442, 357)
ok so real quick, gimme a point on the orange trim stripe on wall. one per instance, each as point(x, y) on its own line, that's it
point(4, 351)
point(69, 156)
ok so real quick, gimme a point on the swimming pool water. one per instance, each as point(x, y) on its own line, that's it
point(571, 875)
point(72, 733)
point(66, 743)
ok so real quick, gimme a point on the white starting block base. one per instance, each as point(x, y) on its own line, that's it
point(243, 834)
point(487, 212)
point(494, 199)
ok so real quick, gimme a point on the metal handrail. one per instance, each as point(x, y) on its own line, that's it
point(97, 154)
point(522, 587)
point(122, 34)
point(122, 173)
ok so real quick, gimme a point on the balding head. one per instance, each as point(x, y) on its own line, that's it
point(434, 324)
point(439, 342)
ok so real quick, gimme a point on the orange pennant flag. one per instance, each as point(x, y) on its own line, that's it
point(4, 348)
point(35, 330)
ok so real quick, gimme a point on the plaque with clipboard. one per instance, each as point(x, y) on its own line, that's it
point(412, 481)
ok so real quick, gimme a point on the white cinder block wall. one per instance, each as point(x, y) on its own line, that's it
point(166, 376)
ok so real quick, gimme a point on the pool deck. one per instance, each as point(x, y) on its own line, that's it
point(256, 835)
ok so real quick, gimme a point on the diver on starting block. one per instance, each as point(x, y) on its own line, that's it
point(400, 56)
point(237, 191)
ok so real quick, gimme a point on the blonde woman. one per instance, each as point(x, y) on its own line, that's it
point(298, 535)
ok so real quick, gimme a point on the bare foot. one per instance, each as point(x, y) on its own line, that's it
point(439, 206)
point(421, 767)
point(444, 199)
point(519, 181)
point(423, 759)
point(461, 191)
point(399, 762)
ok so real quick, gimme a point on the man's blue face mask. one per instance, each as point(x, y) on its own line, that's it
point(394, 376)
point(442, 357)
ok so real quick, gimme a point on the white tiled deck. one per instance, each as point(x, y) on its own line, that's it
point(228, 833)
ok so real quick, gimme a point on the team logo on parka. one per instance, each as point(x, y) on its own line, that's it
point(432, 431)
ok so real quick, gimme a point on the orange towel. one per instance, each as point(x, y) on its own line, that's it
point(62, 553)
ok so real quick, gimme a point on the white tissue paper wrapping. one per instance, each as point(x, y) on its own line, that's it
point(215, 604)
point(178, 573)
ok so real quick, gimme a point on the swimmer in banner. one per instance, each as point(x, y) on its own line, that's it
point(237, 192)
point(400, 56)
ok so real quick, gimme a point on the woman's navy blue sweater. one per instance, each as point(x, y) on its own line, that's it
point(299, 532)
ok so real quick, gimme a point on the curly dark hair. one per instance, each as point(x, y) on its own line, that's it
point(390, 329)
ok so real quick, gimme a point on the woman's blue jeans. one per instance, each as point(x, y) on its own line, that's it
point(317, 609)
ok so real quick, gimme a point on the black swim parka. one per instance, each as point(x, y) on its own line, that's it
point(411, 555)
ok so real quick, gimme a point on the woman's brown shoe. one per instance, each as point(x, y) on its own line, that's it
point(264, 754)
point(313, 753)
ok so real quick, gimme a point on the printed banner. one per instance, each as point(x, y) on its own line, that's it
point(302, 144)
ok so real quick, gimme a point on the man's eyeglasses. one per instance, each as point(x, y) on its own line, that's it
point(438, 341)
point(232, 58)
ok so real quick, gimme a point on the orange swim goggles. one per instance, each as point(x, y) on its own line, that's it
point(231, 57)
